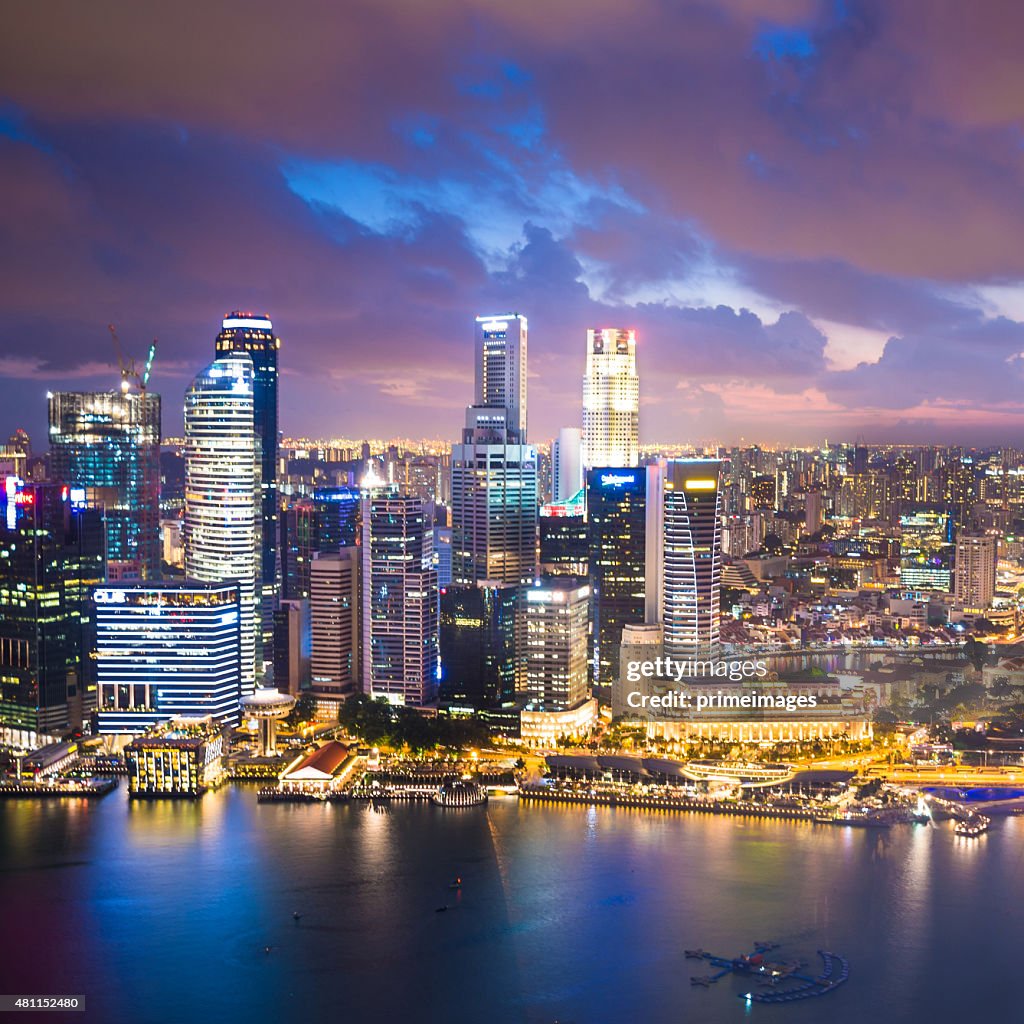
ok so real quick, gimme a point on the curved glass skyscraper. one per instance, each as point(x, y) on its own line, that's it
point(223, 514)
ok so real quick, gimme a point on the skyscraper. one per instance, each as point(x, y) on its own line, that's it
point(223, 518)
point(51, 555)
point(165, 650)
point(611, 399)
point(974, 572)
point(556, 643)
point(334, 610)
point(617, 561)
point(500, 370)
point(254, 335)
point(399, 585)
point(686, 520)
point(566, 464)
point(478, 644)
point(108, 443)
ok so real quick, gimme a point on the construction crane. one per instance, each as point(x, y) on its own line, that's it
point(129, 371)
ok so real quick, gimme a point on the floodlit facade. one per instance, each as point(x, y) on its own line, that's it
point(166, 650)
point(223, 517)
point(106, 446)
point(556, 643)
point(400, 602)
point(611, 399)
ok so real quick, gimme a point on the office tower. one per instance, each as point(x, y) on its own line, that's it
point(685, 517)
point(337, 523)
point(223, 519)
point(478, 644)
point(611, 399)
point(443, 554)
point(172, 548)
point(166, 650)
point(293, 646)
point(860, 459)
point(246, 333)
point(323, 524)
point(108, 443)
point(51, 554)
point(399, 586)
point(500, 370)
point(334, 613)
point(566, 465)
point(617, 561)
point(974, 572)
point(494, 512)
point(563, 542)
point(556, 643)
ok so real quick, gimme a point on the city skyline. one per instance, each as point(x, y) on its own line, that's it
point(807, 213)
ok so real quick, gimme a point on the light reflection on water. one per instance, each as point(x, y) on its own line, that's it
point(163, 912)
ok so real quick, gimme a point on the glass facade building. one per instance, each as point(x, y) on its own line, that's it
point(616, 560)
point(107, 444)
point(166, 650)
point(223, 519)
point(51, 555)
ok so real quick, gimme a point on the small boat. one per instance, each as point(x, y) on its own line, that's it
point(695, 954)
point(296, 916)
point(456, 883)
point(973, 826)
point(440, 910)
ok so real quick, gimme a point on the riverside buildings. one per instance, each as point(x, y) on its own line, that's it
point(223, 517)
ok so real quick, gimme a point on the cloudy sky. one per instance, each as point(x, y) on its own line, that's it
point(811, 212)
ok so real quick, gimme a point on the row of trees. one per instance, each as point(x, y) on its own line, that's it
point(376, 722)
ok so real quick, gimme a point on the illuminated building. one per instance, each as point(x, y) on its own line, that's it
point(566, 464)
point(617, 561)
point(563, 537)
point(223, 519)
point(611, 399)
point(51, 555)
point(166, 650)
point(400, 602)
point(334, 613)
point(500, 371)
point(254, 335)
point(323, 524)
point(108, 443)
point(263, 710)
point(762, 494)
point(478, 644)
point(443, 554)
point(685, 514)
point(556, 643)
point(182, 758)
point(974, 571)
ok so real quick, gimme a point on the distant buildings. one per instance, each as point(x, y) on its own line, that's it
point(223, 517)
point(611, 399)
point(400, 602)
point(166, 650)
point(51, 555)
point(106, 446)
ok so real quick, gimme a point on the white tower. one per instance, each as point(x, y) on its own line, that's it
point(223, 512)
point(611, 399)
point(566, 464)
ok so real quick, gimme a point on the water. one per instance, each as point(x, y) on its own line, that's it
point(160, 912)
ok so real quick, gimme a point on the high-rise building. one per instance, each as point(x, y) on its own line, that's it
point(617, 561)
point(107, 443)
point(566, 464)
point(685, 516)
point(400, 601)
point(254, 335)
point(611, 399)
point(334, 611)
point(293, 646)
point(443, 555)
point(51, 555)
point(974, 572)
point(500, 370)
point(556, 643)
point(494, 512)
point(478, 644)
point(166, 650)
point(323, 524)
point(223, 517)
point(563, 540)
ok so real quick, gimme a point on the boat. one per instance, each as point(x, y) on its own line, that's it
point(455, 883)
point(973, 826)
point(695, 954)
